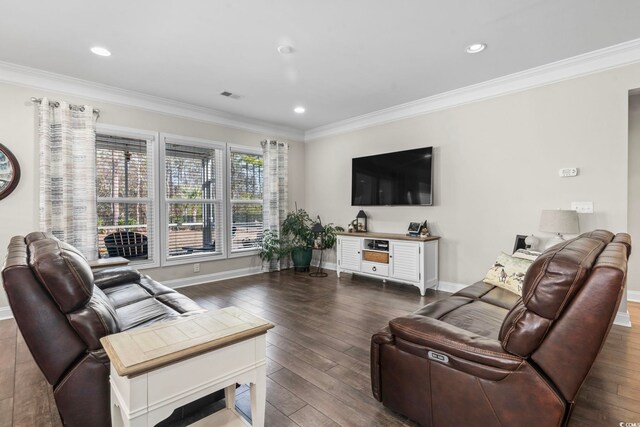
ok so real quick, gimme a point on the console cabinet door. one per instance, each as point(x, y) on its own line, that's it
point(405, 261)
point(349, 253)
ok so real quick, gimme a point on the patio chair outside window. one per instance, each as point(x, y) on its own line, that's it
point(127, 244)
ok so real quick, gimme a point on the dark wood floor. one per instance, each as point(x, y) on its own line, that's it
point(318, 366)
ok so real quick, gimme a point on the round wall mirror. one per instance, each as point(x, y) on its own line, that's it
point(9, 172)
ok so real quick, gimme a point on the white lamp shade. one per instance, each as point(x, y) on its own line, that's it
point(559, 221)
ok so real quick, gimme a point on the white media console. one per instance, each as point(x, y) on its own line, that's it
point(395, 257)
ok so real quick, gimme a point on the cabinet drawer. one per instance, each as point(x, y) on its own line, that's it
point(375, 268)
point(372, 256)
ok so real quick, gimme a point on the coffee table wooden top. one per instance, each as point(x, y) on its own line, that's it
point(140, 350)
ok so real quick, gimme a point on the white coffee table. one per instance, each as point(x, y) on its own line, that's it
point(159, 368)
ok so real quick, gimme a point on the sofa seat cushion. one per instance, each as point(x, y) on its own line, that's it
point(126, 294)
point(153, 287)
point(490, 294)
point(471, 313)
point(478, 317)
point(143, 313)
point(475, 291)
point(180, 303)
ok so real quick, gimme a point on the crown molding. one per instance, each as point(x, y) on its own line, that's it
point(43, 80)
point(581, 65)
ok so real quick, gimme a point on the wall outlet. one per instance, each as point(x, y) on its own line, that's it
point(566, 172)
point(196, 267)
point(582, 207)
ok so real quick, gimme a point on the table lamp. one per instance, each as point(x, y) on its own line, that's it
point(559, 222)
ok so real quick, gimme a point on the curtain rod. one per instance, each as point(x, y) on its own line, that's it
point(71, 106)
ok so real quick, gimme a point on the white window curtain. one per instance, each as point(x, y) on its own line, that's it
point(276, 189)
point(68, 174)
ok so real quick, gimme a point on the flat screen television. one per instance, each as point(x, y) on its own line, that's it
point(390, 179)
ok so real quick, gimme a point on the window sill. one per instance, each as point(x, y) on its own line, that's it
point(191, 259)
point(244, 253)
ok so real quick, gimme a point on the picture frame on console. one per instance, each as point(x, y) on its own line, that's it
point(520, 242)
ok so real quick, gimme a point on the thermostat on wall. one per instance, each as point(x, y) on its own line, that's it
point(568, 172)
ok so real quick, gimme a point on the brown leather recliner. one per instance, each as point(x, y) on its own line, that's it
point(63, 309)
point(485, 356)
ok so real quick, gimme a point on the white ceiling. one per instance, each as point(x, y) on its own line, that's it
point(352, 57)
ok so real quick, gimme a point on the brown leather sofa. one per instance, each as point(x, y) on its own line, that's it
point(63, 309)
point(486, 357)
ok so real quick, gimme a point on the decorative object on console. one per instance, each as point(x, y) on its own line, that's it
point(520, 242)
point(318, 244)
point(424, 229)
point(9, 172)
point(414, 229)
point(361, 222)
point(559, 222)
point(418, 229)
point(532, 242)
point(508, 272)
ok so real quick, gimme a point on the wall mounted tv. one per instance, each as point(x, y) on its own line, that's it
point(399, 178)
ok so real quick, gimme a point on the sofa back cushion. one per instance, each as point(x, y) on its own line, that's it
point(549, 285)
point(53, 343)
point(95, 320)
point(573, 343)
point(62, 270)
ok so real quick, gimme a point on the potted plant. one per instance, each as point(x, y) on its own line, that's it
point(271, 248)
point(296, 240)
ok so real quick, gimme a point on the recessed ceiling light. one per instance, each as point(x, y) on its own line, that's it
point(299, 110)
point(476, 47)
point(285, 49)
point(100, 51)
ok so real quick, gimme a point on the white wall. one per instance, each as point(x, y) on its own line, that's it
point(496, 168)
point(19, 211)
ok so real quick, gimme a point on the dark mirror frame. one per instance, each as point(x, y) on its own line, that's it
point(16, 172)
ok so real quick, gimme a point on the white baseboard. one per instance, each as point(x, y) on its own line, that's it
point(622, 319)
point(213, 277)
point(633, 296)
point(5, 313)
point(325, 265)
point(449, 287)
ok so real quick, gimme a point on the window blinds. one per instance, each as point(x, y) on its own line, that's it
point(124, 184)
point(246, 185)
point(194, 194)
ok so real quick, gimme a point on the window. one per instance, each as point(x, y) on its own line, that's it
point(193, 193)
point(125, 202)
point(209, 197)
point(245, 193)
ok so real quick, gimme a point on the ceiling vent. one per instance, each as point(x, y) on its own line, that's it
point(230, 95)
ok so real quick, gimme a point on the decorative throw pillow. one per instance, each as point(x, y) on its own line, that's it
point(508, 273)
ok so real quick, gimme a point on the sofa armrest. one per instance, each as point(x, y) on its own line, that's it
point(449, 339)
point(109, 277)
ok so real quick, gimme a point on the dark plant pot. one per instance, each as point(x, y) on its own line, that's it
point(301, 258)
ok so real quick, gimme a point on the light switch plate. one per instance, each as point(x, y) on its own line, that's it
point(582, 207)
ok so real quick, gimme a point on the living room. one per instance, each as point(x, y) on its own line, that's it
point(501, 126)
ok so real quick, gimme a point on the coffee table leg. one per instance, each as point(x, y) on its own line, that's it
point(230, 396)
point(259, 397)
